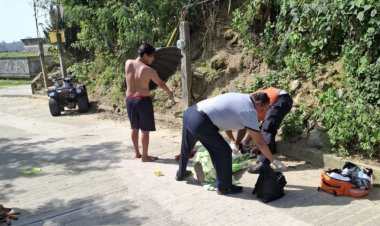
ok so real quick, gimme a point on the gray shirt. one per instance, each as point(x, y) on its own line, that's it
point(231, 111)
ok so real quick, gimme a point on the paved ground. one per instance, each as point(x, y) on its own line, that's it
point(24, 90)
point(90, 177)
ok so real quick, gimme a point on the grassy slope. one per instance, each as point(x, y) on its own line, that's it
point(13, 82)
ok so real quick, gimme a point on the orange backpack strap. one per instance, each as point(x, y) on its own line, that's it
point(331, 185)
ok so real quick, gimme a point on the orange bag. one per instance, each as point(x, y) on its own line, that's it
point(340, 187)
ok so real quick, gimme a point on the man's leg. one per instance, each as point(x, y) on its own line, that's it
point(187, 144)
point(190, 117)
point(135, 141)
point(273, 119)
point(145, 144)
point(133, 119)
point(146, 124)
point(220, 153)
point(221, 156)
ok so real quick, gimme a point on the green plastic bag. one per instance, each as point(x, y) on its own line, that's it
point(203, 157)
point(33, 171)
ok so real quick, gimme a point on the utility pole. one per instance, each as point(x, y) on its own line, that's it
point(41, 48)
point(184, 35)
point(59, 44)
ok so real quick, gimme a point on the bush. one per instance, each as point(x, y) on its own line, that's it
point(297, 36)
point(294, 122)
point(304, 33)
point(80, 71)
point(368, 84)
point(353, 123)
point(272, 78)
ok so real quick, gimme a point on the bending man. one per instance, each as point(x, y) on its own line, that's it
point(203, 121)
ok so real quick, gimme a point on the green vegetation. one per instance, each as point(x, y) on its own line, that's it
point(17, 55)
point(295, 37)
point(102, 35)
point(13, 82)
point(353, 123)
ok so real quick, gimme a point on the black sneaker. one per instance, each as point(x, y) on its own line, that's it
point(255, 169)
point(232, 190)
point(180, 176)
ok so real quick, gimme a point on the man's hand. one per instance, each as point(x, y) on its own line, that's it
point(233, 146)
point(278, 164)
point(235, 150)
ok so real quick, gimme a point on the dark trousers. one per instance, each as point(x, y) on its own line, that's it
point(197, 126)
point(273, 118)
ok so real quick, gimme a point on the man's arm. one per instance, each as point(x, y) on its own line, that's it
point(230, 136)
point(128, 74)
point(258, 139)
point(154, 77)
point(240, 135)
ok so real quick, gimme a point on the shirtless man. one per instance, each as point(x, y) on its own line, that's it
point(139, 103)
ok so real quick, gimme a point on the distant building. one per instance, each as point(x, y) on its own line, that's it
point(27, 45)
point(23, 66)
point(11, 47)
point(31, 45)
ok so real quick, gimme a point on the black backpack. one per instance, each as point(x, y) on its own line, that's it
point(270, 185)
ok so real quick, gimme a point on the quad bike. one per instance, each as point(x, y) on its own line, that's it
point(67, 95)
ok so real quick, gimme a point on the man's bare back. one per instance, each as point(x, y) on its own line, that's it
point(138, 76)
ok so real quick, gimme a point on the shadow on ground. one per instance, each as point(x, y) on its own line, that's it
point(90, 211)
point(22, 154)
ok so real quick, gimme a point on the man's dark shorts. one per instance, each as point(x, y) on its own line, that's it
point(140, 113)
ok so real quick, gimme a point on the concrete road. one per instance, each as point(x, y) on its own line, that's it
point(89, 177)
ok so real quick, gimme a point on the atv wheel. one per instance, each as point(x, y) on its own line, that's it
point(55, 110)
point(82, 104)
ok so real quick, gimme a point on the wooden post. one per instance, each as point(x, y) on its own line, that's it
point(60, 55)
point(59, 44)
point(184, 34)
point(41, 48)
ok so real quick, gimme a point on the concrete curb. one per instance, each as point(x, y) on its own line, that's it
point(20, 91)
point(317, 158)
